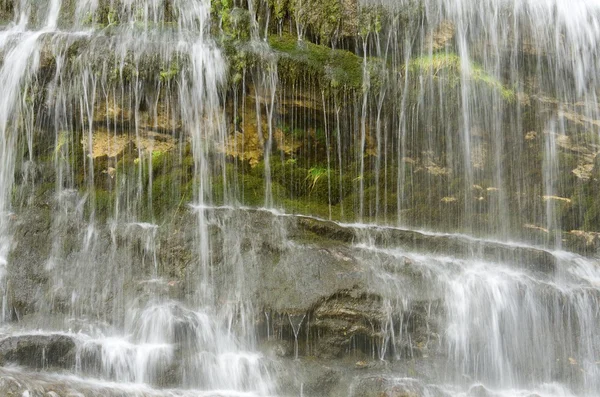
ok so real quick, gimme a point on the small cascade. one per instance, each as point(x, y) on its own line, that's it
point(296, 322)
point(501, 318)
point(20, 60)
point(551, 179)
point(167, 341)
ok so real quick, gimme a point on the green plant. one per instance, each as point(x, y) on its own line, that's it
point(314, 174)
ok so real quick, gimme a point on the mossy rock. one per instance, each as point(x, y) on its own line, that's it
point(337, 68)
point(376, 203)
point(249, 189)
point(447, 66)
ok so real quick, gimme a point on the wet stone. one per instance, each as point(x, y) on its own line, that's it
point(39, 351)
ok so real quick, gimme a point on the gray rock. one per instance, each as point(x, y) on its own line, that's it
point(39, 351)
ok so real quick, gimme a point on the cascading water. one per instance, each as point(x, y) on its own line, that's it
point(138, 138)
point(503, 322)
point(149, 332)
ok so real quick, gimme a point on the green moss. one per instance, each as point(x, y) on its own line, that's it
point(6, 11)
point(149, 68)
point(125, 73)
point(279, 8)
point(60, 142)
point(233, 22)
point(370, 20)
point(339, 68)
point(170, 191)
point(592, 217)
point(435, 62)
point(240, 24)
point(288, 175)
point(106, 15)
point(479, 75)
point(104, 201)
point(307, 206)
point(249, 190)
point(373, 204)
point(169, 73)
point(448, 66)
point(586, 208)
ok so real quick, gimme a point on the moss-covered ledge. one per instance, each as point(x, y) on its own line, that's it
point(335, 69)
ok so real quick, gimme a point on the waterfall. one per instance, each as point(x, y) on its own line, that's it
point(303, 197)
point(87, 93)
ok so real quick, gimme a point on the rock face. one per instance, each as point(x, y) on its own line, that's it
point(39, 351)
point(344, 317)
point(331, 292)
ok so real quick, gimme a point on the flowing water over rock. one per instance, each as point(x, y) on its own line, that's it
point(300, 198)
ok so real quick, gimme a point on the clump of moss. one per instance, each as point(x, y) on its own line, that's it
point(169, 73)
point(585, 209)
point(106, 15)
point(104, 201)
point(336, 68)
point(370, 20)
point(170, 191)
point(234, 23)
point(147, 69)
point(448, 66)
point(248, 189)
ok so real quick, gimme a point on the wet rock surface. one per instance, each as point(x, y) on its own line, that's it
point(330, 287)
point(315, 267)
point(39, 351)
point(378, 386)
point(19, 383)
